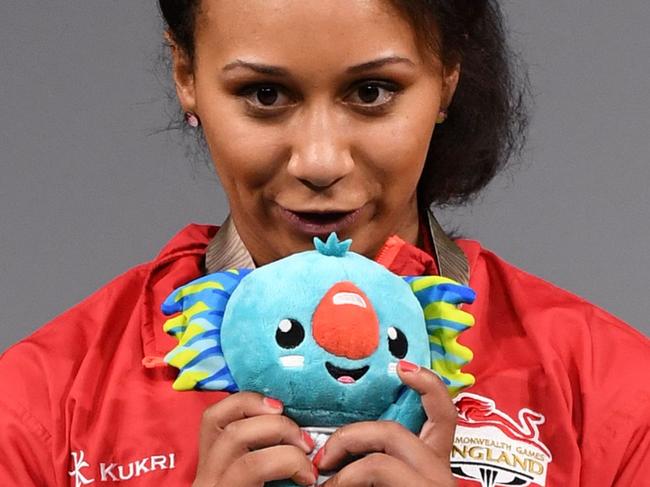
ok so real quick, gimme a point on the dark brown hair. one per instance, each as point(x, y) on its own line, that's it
point(487, 120)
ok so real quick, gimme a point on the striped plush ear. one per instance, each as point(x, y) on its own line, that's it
point(198, 355)
point(440, 299)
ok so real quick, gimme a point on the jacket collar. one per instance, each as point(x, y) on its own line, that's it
point(226, 250)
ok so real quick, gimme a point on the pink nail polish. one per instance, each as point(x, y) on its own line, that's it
point(319, 456)
point(274, 403)
point(307, 437)
point(406, 366)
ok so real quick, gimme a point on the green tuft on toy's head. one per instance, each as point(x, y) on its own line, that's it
point(323, 331)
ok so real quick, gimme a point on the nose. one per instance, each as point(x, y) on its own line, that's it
point(319, 155)
point(345, 323)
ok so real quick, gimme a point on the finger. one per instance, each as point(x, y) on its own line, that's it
point(377, 470)
point(275, 463)
point(386, 437)
point(438, 430)
point(245, 435)
point(233, 408)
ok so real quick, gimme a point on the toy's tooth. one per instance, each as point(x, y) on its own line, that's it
point(292, 361)
point(392, 368)
point(349, 298)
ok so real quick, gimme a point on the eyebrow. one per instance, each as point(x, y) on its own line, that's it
point(279, 71)
point(378, 63)
point(259, 68)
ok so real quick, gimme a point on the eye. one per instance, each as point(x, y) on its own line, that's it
point(373, 94)
point(263, 96)
point(290, 333)
point(397, 342)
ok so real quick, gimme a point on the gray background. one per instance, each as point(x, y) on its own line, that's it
point(88, 188)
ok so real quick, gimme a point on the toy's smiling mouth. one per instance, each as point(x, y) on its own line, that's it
point(346, 376)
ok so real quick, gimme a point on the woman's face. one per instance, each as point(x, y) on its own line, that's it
point(318, 117)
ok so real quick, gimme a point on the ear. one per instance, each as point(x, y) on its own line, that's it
point(198, 355)
point(450, 77)
point(183, 73)
point(440, 299)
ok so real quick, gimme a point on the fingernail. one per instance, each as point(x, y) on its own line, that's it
point(307, 437)
point(318, 457)
point(406, 366)
point(274, 403)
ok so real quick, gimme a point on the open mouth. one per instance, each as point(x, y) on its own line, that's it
point(346, 376)
point(320, 223)
point(321, 218)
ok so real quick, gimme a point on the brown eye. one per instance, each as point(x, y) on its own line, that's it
point(369, 93)
point(267, 95)
point(373, 95)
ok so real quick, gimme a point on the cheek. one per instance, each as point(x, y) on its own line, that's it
point(244, 156)
point(396, 148)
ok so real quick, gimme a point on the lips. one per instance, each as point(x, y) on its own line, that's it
point(320, 223)
point(346, 376)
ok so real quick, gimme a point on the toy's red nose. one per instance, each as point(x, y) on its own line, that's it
point(345, 323)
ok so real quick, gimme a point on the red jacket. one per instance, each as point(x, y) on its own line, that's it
point(562, 396)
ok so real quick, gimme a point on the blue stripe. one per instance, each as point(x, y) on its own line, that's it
point(222, 374)
point(435, 348)
point(213, 334)
point(436, 323)
point(203, 355)
point(217, 313)
point(447, 293)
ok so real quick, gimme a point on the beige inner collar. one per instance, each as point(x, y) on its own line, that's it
point(226, 250)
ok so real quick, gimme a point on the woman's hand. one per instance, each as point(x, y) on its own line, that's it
point(393, 455)
point(246, 441)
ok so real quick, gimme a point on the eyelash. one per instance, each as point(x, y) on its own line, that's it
point(249, 94)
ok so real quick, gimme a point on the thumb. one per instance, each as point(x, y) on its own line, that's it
point(438, 429)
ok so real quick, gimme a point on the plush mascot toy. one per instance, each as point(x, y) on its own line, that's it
point(322, 331)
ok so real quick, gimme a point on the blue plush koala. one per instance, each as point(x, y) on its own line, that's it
point(322, 331)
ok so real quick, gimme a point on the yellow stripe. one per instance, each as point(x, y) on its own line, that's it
point(197, 288)
point(175, 322)
point(455, 389)
point(451, 372)
point(188, 379)
point(195, 309)
point(425, 282)
point(192, 330)
point(452, 347)
point(447, 311)
point(182, 357)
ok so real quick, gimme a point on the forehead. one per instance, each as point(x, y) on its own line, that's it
point(304, 31)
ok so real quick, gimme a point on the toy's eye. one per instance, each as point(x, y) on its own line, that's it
point(397, 342)
point(290, 333)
